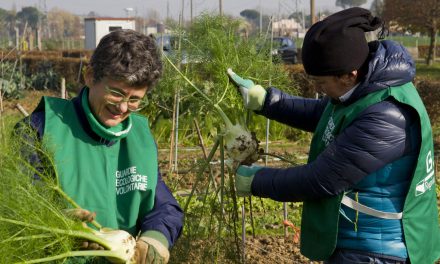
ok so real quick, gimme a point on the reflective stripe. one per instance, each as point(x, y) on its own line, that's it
point(368, 210)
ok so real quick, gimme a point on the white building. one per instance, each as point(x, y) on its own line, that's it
point(97, 27)
point(287, 27)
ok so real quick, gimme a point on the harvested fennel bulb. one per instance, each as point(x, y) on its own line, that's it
point(120, 243)
point(240, 144)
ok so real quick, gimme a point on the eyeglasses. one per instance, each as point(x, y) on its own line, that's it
point(114, 97)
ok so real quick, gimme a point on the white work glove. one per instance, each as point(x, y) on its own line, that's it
point(253, 95)
point(152, 248)
point(243, 179)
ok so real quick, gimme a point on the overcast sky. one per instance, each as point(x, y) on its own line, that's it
point(116, 8)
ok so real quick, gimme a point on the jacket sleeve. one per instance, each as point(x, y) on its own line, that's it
point(383, 133)
point(30, 130)
point(294, 111)
point(166, 216)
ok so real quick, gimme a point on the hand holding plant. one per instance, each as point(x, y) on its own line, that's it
point(152, 248)
point(244, 177)
point(253, 95)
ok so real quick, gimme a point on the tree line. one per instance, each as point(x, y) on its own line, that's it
point(405, 16)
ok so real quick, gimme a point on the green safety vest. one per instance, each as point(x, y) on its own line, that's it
point(319, 223)
point(116, 182)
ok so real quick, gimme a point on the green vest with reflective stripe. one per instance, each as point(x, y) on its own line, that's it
point(319, 223)
point(117, 182)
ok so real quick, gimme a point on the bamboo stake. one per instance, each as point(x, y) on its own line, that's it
point(170, 164)
point(63, 88)
point(267, 129)
point(286, 231)
point(1, 98)
point(235, 212)
point(176, 131)
point(200, 172)
point(205, 155)
point(222, 185)
point(251, 216)
point(222, 174)
point(1, 108)
point(22, 110)
point(243, 233)
point(1, 89)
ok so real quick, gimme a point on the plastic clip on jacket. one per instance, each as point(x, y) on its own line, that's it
point(368, 210)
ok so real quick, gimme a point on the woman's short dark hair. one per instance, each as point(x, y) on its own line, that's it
point(128, 56)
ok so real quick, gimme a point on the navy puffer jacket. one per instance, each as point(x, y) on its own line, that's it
point(384, 134)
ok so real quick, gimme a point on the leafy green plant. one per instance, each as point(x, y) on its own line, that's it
point(12, 81)
point(212, 44)
point(45, 77)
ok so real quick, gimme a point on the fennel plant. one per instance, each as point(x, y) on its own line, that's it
point(33, 225)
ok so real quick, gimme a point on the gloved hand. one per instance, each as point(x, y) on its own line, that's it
point(79, 214)
point(253, 95)
point(84, 216)
point(244, 177)
point(152, 248)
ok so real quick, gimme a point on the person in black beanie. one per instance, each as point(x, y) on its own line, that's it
point(369, 186)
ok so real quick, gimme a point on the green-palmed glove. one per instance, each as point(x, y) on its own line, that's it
point(253, 95)
point(244, 177)
point(152, 248)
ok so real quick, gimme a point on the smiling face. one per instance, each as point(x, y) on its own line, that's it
point(335, 86)
point(106, 113)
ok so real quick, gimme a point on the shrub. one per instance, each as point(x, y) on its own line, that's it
point(429, 91)
point(423, 50)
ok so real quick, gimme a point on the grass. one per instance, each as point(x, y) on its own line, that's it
point(428, 72)
point(410, 41)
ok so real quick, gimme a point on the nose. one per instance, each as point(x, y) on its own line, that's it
point(123, 107)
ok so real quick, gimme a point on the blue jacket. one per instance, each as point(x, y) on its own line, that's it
point(166, 216)
point(375, 153)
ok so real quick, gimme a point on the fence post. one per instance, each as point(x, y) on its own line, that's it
point(63, 88)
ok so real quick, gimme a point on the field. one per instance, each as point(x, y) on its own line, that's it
point(265, 234)
point(219, 226)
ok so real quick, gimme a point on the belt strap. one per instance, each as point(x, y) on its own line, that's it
point(368, 210)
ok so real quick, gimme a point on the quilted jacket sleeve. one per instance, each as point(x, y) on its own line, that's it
point(381, 134)
point(166, 216)
point(295, 111)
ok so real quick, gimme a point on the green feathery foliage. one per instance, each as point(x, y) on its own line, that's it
point(210, 46)
point(33, 227)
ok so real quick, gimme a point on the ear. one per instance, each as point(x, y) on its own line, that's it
point(88, 77)
point(353, 74)
point(350, 79)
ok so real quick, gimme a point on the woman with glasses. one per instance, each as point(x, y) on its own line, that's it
point(104, 152)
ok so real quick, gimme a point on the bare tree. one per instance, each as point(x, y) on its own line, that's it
point(64, 24)
point(349, 3)
point(377, 7)
point(417, 16)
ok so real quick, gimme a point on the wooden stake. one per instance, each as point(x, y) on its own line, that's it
point(205, 155)
point(170, 164)
point(243, 232)
point(63, 88)
point(22, 110)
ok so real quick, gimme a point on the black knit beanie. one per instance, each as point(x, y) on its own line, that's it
point(337, 44)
